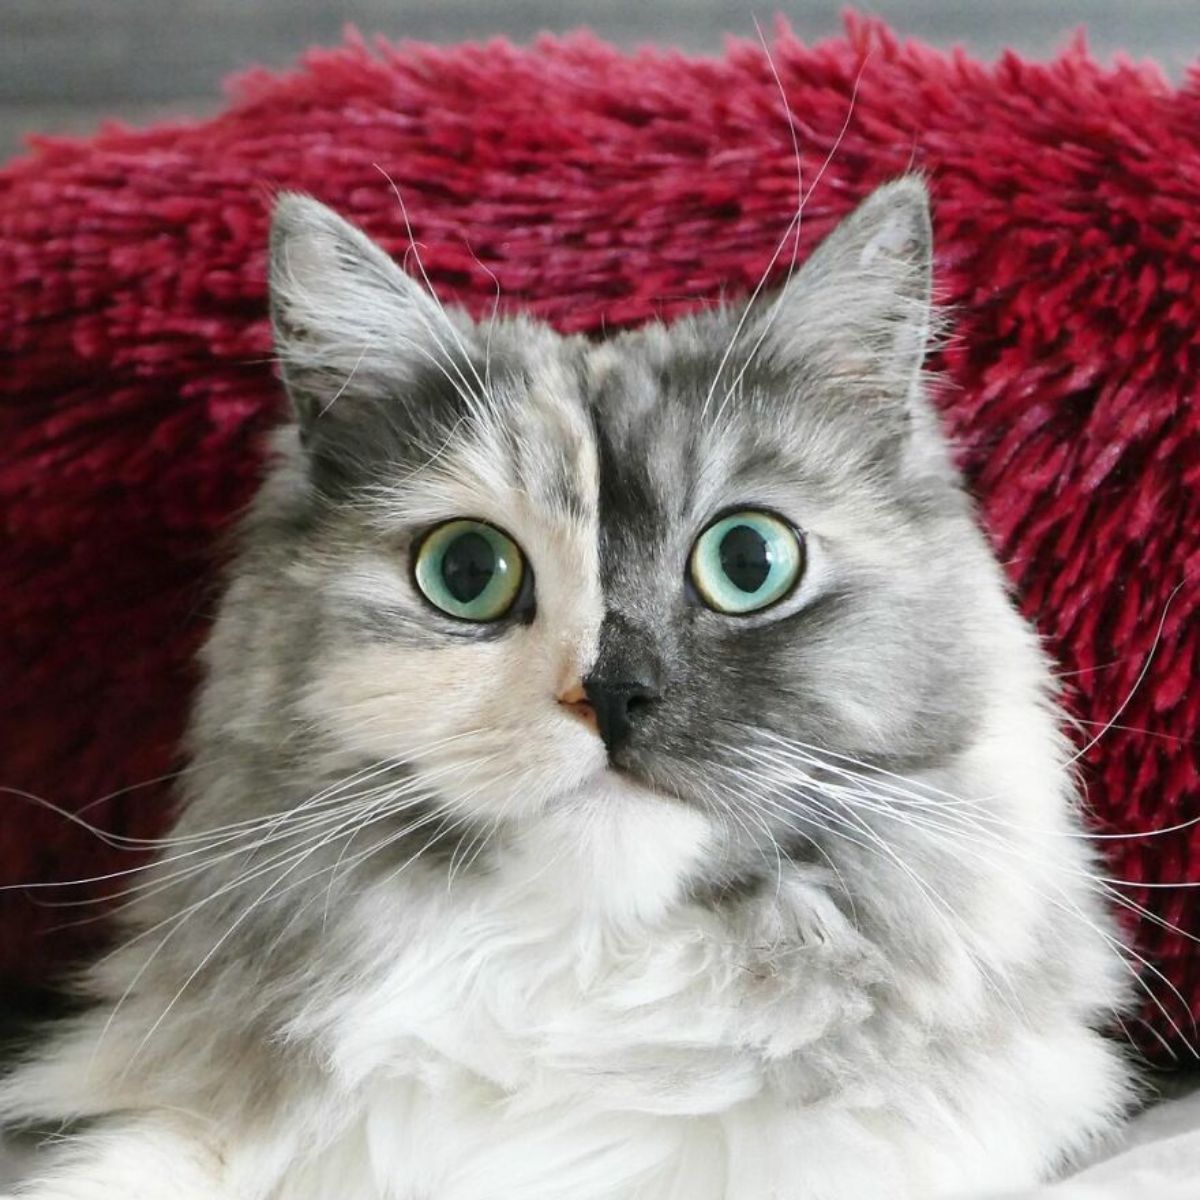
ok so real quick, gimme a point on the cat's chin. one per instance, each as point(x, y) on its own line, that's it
point(618, 845)
point(613, 784)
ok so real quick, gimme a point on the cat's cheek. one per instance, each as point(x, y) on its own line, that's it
point(480, 720)
point(385, 701)
point(394, 700)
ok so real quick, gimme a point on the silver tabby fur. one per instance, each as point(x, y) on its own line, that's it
point(824, 928)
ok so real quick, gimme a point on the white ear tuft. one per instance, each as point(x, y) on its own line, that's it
point(347, 320)
point(895, 219)
point(859, 308)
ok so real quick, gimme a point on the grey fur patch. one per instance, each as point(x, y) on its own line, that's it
point(348, 731)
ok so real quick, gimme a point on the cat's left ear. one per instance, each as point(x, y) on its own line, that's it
point(859, 309)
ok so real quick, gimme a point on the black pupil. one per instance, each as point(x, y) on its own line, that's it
point(468, 566)
point(745, 558)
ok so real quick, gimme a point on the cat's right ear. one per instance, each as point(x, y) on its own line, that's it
point(351, 328)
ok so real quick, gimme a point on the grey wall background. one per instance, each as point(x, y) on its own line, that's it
point(66, 64)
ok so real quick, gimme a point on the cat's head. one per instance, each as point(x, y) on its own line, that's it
point(706, 560)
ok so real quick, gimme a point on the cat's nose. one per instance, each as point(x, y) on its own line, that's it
point(617, 704)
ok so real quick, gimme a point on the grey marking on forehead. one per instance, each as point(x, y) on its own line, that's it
point(648, 450)
point(547, 444)
point(631, 504)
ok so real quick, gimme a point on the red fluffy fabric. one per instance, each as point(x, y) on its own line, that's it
point(599, 189)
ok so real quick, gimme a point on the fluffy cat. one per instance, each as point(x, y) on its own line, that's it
point(620, 775)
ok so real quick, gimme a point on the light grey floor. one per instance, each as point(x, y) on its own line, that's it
point(65, 64)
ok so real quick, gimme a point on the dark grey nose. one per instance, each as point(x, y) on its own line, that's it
point(618, 704)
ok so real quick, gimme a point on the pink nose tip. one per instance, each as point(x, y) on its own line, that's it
point(574, 700)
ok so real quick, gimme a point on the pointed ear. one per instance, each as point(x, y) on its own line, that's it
point(350, 326)
point(859, 309)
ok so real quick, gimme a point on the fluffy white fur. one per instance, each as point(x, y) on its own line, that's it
point(549, 1040)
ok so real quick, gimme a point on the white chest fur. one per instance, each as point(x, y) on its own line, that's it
point(568, 1025)
point(538, 1041)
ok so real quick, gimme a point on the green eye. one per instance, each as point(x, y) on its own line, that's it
point(470, 570)
point(746, 561)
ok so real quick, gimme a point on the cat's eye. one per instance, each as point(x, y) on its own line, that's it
point(746, 561)
point(470, 570)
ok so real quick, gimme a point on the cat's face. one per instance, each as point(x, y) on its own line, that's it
point(540, 570)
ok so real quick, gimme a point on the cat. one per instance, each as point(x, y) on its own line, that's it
point(620, 774)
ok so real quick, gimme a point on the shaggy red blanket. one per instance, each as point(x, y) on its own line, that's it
point(599, 189)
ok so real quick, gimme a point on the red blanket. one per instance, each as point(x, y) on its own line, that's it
point(599, 188)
